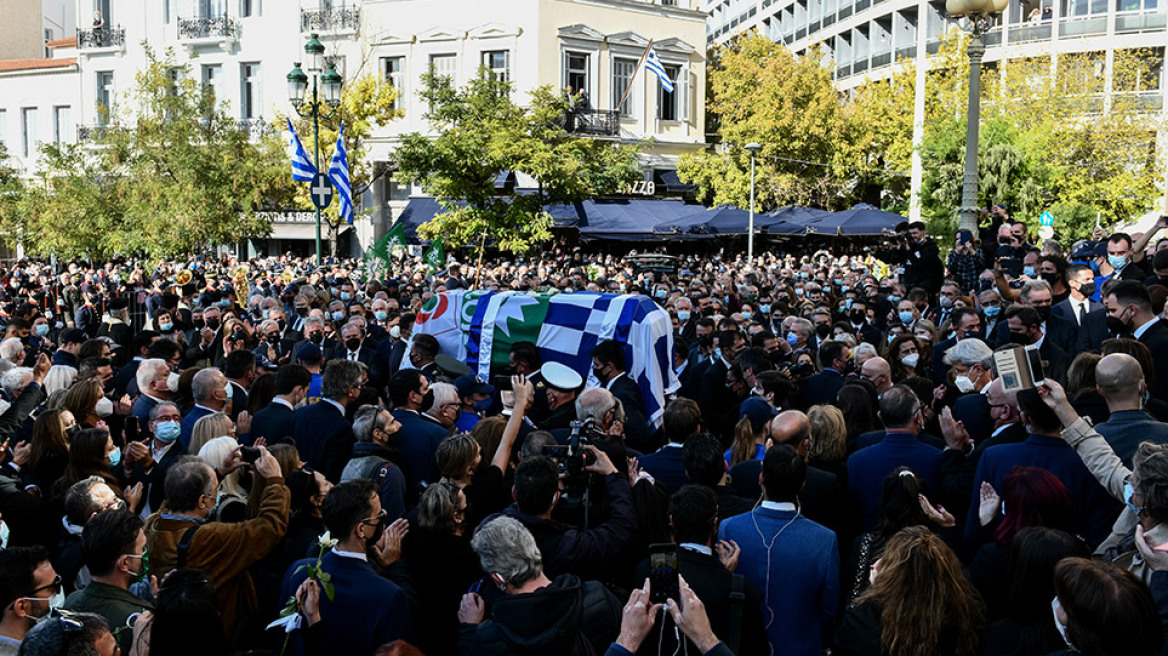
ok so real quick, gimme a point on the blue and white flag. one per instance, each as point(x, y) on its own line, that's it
point(303, 170)
point(479, 327)
point(654, 66)
point(338, 173)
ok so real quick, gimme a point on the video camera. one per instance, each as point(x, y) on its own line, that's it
point(572, 458)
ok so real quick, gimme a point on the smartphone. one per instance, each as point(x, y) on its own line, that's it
point(964, 236)
point(663, 576)
point(1035, 365)
point(502, 383)
point(131, 430)
point(249, 454)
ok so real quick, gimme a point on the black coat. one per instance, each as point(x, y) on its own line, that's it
point(276, 423)
point(820, 388)
point(1156, 339)
point(637, 432)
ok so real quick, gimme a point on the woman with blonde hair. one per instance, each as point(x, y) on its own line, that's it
point(829, 440)
point(209, 428)
point(83, 399)
point(919, 603)
point(221, 454)
point(751, 432)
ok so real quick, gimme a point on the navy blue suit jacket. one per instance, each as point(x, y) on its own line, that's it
point(666, 467)
point(1156, 339)
point(1096, 508)
point(820, 388)
point(141, 411)
point(276, 422)
point(868, 467)
point(188, 426)
point(1124, 430)
point(418, 448)
point(368, 610)
point(324, 438)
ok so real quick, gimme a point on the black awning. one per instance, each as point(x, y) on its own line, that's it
point(669, 180)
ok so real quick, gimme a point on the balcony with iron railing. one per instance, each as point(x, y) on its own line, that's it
point(336, 21)
point(593, 122)
point(211, 29)
point(255, 128)
point(101, 38)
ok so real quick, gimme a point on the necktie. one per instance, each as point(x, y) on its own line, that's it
point(352, 356)
point(1082, 313)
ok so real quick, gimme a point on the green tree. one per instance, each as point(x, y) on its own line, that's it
point(173, 174)
point(480, 131)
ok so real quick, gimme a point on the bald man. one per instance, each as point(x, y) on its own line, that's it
point(1120, 381)
point(822, 499)
point(876, 371)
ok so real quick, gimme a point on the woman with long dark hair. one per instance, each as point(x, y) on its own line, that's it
point(50, 447)
point(918, 603)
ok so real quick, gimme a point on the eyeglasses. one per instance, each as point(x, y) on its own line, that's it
point(55, 586)
point(376, 519)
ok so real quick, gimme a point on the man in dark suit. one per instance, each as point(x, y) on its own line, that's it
point(323, 435)
point(410, 393)
point(117, 327)
point(825, 385)
point(1078, 308)
point(1130, 310)
point(902, 414)
point(967, 325)
point(277, 422)
point(1026, 329)
point(240, 368)
point(212, 392)
point(822, 498)
point(609, 367)
point(139, 347)
point(693, 518)
point(858, 316)
point(1062, 333)
point(148, 462)
point(354, 348)
point(313, 332)
point(152, 376)
point(1120, 381)
point(373, 610)
point(681, 419)
point(943, 311)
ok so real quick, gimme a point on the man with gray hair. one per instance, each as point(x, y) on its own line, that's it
point(11, 353)
point(322, 432)
point(1120, 381)
point(602, 408)
point(972, 363)
point(445, 408)
point(212, 392)
point(152, 377)
point(378, 434)
point(536, 614)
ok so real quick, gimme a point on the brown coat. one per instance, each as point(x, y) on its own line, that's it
point(224, 551)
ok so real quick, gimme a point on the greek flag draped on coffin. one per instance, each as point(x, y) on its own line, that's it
point(479, 327)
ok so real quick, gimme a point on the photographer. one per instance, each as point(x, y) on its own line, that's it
point(921, 257)
point(566, 549)
point(966, 261)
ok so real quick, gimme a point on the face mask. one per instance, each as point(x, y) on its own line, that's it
point(799, 292)
point(891, 338)
point(1051, 278)
point(1062, 628)
point(72, 431)
point(683, 315)
point(1043, 312)
point(1029, 272)
point(395, 332)
point(266, 313)
point(964, 384)
point(428, 399)
point(166, 326)
point(747, 315)
point(167, 431)
point(213, 324)
point(302, 310)
point(338, 316)
point(1117, 326)
point(857, 316)
point(1116, 261)
point(792, 339)
point(225, 303)
point(483, 405)
point(1087, 289)
point(893, 298)
point(765, 308)
point(198, 323)
point(847, 304)
point(115, 457)
point(946, 302)
point(353, 343)
point(144, 568)
point(3, 535)
point(1128, 491)
point(992, 311)
point(911, 360)
point(661, 293)
point(104, 407)
point(906, 317)
point(172, 381)
point(346, 296)
point(380, 315)
point(1020, 338)
point(55, 602)
point(42, 329)
point(1094, 265)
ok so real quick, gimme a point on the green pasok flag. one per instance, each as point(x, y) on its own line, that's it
point(434, 256)
point(394, 239)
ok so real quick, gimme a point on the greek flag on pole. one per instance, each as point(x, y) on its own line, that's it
point(302, 168)
point(338, 173)
point(654, 65)
point(480, 327)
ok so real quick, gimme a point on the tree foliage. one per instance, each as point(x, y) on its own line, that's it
point(173, 174)
point(480, 132)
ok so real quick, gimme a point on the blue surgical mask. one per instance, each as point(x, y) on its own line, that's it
point(1029, 272)
point(230, 389)
point(992, 311)
point(483, 405)
point(747, 315)
point(660, 293)
point(225, 303)
point(266, 313)
point(847, 304)
point(1116, 261)
point(380, 315)
point(683, 315)
point(346, 296)
point(906, 317)
point(717, 354)
point(792, 339)
point(338, 315)
point(893, 298)
point(167, 431)
point(42, 329)
point(166, 326)
point(1128, 491)
point(765, 308)
point(891, 337)
point(115, 457)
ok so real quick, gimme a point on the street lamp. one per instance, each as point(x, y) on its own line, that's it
point(753, 147)
point(326, 98)
point(980, 14)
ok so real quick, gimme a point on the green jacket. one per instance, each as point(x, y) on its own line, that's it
point(114, 604)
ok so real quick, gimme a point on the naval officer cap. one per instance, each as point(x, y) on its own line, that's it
point(561, 376)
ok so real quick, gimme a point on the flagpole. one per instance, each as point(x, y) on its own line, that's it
point(634, 76)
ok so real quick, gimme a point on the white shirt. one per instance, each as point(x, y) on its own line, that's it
point(999, 429)
point(613, 380)
point(700, 548)
point(1085, 304)
point(350, 554)
point(1144, 328)
point(283, 403)
point(779, 505)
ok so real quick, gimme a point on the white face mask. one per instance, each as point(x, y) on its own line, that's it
point(964, 384)
point(1062, 628)
point(172, 382)
point(911, 360)
point(104, 407)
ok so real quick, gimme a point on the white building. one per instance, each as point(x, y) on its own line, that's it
point(244, 49)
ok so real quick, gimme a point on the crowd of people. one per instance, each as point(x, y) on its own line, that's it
point(221, 457)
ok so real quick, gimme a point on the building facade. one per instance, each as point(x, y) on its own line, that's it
point(243, 49)
point(864, 39)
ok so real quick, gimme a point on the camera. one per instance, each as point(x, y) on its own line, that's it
point(799, 370)
point(571, 460)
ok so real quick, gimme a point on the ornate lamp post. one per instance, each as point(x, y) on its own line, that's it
point(326, 98)
point(753, 147)
point(980, 14)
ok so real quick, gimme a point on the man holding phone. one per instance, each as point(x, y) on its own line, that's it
point(966, 261)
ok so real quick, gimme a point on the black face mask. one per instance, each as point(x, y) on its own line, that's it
point(1118, 327)
point(1043, 312)
point(1020, 338)
point(1050, 278)
point(377, 531)
point(273, 339)
point(353, 343)
point(198, 323)
point(72, 431)
point(213, 324)
point(1087, 290)
point(985, 284)
point(302, 310)
point(428, 399)
point(823, 330)
point(857, 316)
point(316, 337)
